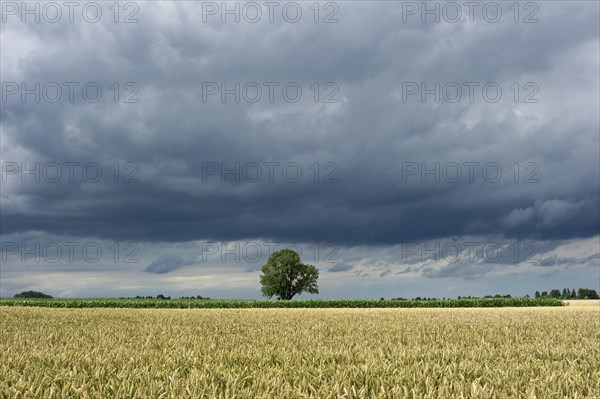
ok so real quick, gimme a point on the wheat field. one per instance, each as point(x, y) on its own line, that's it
point(551, 352)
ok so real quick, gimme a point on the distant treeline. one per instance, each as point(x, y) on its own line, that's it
point(582, 293)
point(161, 296)
point(418, 298)
point(33, 294)
point(37, 294)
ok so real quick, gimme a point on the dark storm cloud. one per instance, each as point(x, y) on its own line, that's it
point(369, 135)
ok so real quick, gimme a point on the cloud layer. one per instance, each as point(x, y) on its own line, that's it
point(357, 160)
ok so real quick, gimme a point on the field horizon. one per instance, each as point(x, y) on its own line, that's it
point(266, 303)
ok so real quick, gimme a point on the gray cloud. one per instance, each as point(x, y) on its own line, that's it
point(340, 267)
point(468, 271)
point(547, 151)
point(408, 269)
point(171, 131)
point(166, 264)
point(518, 217)
point(548, 261)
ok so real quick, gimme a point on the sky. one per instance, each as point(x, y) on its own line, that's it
point(405, 149)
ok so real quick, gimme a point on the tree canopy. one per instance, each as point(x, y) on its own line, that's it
point(285, 276)
point(32, 294)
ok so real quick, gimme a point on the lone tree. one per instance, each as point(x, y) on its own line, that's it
point(284, 276)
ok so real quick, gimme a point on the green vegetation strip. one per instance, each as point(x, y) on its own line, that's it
point(215, 303)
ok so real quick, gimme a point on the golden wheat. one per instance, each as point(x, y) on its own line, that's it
point(300, 353)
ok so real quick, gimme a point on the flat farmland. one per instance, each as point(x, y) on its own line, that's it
point(542, 352)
